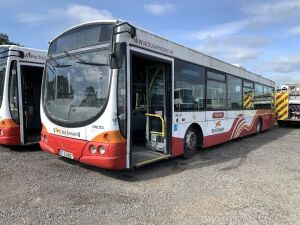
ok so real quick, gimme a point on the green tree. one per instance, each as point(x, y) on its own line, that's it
point(4, 40)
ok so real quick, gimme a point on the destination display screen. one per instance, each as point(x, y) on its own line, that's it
point(82, 37)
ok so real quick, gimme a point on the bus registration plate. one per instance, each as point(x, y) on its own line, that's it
point(66, 154)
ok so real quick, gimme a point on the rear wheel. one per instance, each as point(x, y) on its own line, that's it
point(280, 123)
point(191, 142)
point(259, 126)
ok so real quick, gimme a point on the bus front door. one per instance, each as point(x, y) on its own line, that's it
point(155, 116)
point(30, 80)
point(150, 110)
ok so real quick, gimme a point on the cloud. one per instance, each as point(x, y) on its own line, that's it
point(159, 9)
point(285, 64)
point(235, 49)
point(238, 41)
point(218, 31)
point(278, 9)
point(294, 30)
point(74, 13)
point(83, 13)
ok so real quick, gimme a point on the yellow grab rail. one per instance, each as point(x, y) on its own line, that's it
point(162, 133)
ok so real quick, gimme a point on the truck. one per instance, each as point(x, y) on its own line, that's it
point(288, 104)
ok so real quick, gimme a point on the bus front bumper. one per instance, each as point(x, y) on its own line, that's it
point(113, 158)
point(10, 136)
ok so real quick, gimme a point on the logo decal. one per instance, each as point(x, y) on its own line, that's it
point(218, 127)
point(218, 115)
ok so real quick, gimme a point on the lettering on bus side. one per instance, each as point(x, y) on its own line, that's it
point(30, 55)
point(66, 132)
point(97, 126)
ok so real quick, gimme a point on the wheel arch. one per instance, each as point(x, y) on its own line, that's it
point(197, 128)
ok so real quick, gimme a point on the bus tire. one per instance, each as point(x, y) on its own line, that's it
point(280, 123)
point(259, 126)
point(191, 142)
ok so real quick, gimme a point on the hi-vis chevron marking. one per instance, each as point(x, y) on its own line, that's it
point(282, 105)
point(248, 101)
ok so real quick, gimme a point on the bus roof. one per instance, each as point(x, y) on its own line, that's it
point(181, 52)
point(30, 55)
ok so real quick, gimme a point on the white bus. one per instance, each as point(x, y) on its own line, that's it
point(21, 72)
point(118, 97)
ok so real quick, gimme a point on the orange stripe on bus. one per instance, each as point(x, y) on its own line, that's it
point(110, 137)
point(8, 123)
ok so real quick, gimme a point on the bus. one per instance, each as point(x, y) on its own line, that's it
point(21, 73)
point(118, 97)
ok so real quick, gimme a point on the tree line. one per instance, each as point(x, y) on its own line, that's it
point(4, 40)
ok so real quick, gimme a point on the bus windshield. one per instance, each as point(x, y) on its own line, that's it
point(2, 78)
point(76, 87)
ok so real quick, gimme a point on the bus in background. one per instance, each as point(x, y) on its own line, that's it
point(288, 104)
point(21, 71)
point(118, 97)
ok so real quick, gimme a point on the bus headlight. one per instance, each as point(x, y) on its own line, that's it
point(92, 149)
point(101, 150)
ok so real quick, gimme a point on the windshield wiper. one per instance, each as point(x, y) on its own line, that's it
point(91, 63)
point(81, 61)
point(57, 65)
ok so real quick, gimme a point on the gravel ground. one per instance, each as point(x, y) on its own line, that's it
point(253, 180)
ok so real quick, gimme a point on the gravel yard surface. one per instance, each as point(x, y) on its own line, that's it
point(253, 180)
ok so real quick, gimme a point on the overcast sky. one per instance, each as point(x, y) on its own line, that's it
point(262, 36)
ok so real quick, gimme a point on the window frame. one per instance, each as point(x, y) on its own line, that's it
point(241, 91)
point(253, 89)
point(204, 84)
point(9, 94)
point(224, 82)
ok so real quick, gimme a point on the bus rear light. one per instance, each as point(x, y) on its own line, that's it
point(1, 132)
point(101, 150)
point(92, 149)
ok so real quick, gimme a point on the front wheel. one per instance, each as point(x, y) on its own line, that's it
point(191, 142)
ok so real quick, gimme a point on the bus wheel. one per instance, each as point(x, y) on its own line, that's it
point(259, 126)
point(191, 142)
point(280, 123)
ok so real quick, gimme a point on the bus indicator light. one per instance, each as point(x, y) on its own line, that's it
point(107, 137)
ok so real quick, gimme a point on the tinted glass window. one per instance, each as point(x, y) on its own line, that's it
point(248, 95)
point(82, 37)
point(216, 76)
point(189, 91)
point(13, 92)
point(268, 97)
point(216, 95)
point(2, 78)
point(122, 107)
point(234, 92)
point(259, 96)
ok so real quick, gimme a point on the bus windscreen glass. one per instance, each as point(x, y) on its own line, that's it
point(76, 87)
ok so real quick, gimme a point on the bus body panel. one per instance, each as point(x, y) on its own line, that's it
point(10, 131)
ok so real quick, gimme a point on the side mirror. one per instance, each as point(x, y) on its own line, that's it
point(113, 62)
point(115, 59)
